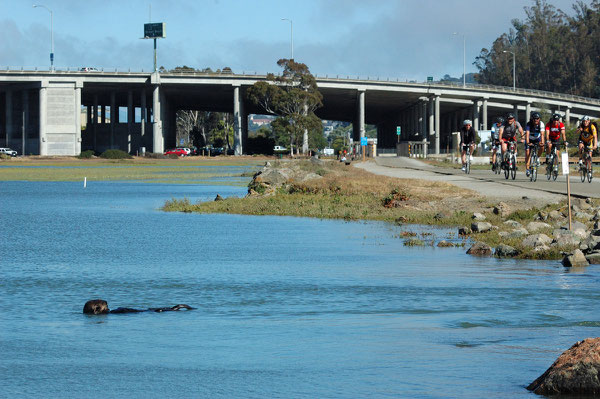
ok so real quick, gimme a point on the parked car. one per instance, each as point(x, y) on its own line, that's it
point(89, 69)
point(187, 150)
point(177, 151)
point(8, 151)
point(279, 148)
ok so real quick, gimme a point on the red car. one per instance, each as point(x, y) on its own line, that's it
point(177, 151)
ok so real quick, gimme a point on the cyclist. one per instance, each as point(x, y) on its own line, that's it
point(534, 135)
point(495, 138)
point(588, 138)
point(508, 132)
point(467, 139)
point(554, 130)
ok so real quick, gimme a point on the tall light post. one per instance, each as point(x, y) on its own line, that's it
point(291, 35)
point(51, 34)
point(464, 57)
point(514, 69)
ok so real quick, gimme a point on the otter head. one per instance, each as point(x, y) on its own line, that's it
point(96, 306)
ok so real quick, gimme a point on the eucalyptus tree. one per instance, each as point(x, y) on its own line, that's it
point(293, 97)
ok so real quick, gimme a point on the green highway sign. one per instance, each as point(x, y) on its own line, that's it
point(430, 78)
point(398, 130)
point(155, 30)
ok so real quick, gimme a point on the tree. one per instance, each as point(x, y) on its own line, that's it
point(293, 97)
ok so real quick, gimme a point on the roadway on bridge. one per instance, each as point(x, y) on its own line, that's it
point(485, 182)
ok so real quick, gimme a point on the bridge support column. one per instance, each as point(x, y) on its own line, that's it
point(516, 112)
point(130, 119)
point(237, 121)
point(359, 127)
point(437, 125)
point(476, 115)
point(25, 121)
point(484, 112)
point(95, 121)
point(527, 112)
point(103, 114)
point(431, 121)
point(8, 112)
point(114, 118)
point(568, 115)
point(423, 124)
point(157, 128)
point(143, 114)
point(78, 87)
point(43, 114)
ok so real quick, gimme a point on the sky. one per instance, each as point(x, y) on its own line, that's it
point(395, 39)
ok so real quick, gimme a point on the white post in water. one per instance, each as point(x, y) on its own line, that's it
point(85, 182)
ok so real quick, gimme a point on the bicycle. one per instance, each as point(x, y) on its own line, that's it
point(510, 161)
point(468, 162)
point(497, 168)
point(586, 169)
point(552, 164)
point(533, 161)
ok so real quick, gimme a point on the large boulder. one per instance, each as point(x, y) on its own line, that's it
point(478, 216)
point(480, 249)
point(536, 240)
point(593, 258)
point(575, 225)
point(506, 251)
point(514, 224)
point(574, 372)
point(576, 259)
point(533, 227)
point(566, 238)
point(502, 209)
point(96, 306)
point(481, 227)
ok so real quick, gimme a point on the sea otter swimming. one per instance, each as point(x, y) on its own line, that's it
point(100, 306)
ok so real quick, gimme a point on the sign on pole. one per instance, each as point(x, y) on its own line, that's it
point(155, 30)
point(565, 163)
point(364, 141)
point(398, 130)
point(430, 78)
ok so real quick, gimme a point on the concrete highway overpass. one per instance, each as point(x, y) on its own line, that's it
point(40, 110)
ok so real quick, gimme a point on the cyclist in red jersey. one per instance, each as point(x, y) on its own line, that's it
point(554, 130)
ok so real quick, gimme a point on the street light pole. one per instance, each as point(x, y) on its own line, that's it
point(514, 65)
point(51, 34)
point(291, 35)
point(464, 58)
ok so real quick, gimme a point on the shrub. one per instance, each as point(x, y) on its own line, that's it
point(5, 156)
point(115, 154)
point(86, 154)
point(156, 155)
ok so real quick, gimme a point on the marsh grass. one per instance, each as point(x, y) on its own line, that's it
point(139, 169)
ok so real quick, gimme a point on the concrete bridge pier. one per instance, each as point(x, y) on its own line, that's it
point(157, 128)
point(437, 125)
point(358, 128)
point(237, 122)
point(484, 113)
point(527, 112)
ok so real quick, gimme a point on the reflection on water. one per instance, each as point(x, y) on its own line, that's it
point(286, 307)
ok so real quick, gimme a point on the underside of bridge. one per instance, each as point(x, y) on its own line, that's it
point(65, 113)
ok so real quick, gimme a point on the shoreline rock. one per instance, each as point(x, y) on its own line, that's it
point(574, 372)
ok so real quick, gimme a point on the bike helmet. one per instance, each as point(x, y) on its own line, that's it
point(585, 118)
point(467, 122)
point(535, 115)
point(510, 115)
point(499, 119)
point(556, 117)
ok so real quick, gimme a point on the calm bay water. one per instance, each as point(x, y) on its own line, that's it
point(286, 307)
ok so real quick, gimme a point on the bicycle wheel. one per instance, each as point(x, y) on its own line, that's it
point(582, 173)
point(534, 174)
point(555, 173)
point(513, 171)
point(549, 168)
point(506, 170)
point(590, 171)
point(468, 166)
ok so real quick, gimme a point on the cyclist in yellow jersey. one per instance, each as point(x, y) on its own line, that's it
point(588, 137)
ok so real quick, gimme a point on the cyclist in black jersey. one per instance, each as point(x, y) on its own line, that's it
point(467, 140)
point(534, 134)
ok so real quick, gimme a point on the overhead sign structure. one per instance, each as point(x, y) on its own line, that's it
point(430, 78)
point(155, 30)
